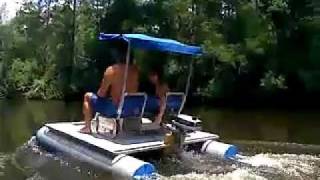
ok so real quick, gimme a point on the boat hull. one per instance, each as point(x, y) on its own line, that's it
point(125, 144)
point(57, 142)
point(111, 154)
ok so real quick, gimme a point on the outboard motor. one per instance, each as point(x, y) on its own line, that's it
point(182, 124)
point(173, 140)
point(187, 123)
point(179, 127)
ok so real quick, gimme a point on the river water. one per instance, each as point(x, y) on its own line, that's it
point(278, 144)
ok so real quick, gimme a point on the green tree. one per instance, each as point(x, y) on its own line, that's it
point(252, 48)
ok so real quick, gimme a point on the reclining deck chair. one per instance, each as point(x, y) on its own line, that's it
point(128, 116)
point(174, 104)
point(131, 113)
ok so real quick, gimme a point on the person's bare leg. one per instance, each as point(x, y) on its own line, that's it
point(87, 113)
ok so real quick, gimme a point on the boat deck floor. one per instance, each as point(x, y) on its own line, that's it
point(127, 144)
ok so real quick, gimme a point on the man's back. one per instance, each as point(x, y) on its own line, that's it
point(116, 75)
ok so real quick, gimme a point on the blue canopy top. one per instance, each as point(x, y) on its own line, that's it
point(152, 43)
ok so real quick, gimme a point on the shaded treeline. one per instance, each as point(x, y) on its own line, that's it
point(256, 50)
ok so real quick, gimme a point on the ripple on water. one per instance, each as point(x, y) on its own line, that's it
point(3, 160)
point(239, 174)
point(201, 167)
point(190, 166)
point(36, 176)
point(289, 166)
point(260, 166)
point(39, 164)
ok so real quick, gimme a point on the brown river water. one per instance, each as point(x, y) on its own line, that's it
point(278, 144)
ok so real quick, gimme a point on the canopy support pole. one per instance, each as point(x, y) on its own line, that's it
point(124, 85)
point(187, 86)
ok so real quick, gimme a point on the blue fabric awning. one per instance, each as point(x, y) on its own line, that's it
point(152, 43)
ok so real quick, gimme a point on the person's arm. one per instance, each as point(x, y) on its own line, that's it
point(106, 82)
point(162, 96)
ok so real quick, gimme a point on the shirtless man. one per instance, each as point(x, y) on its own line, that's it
point(111, 86)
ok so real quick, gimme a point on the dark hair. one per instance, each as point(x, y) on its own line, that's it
point(119, 53)
point(159, 72)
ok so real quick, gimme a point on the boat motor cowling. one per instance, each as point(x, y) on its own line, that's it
point(187, 123)
point(179, 126)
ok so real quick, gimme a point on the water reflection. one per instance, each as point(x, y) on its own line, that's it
point(267, 125)
point(19, 120)
point(32, 162)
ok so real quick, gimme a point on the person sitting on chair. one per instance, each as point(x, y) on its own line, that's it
point(111, 86)
point(161, 89)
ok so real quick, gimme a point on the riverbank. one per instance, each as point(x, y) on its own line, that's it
point(275, 101)
point(282, 101)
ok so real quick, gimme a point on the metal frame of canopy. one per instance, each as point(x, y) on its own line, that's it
point(142, 41)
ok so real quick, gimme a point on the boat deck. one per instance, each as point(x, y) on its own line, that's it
point(127, 144)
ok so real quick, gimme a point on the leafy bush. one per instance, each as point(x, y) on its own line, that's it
point(22, 73)
point(272, 82)
point(3, 90)
point(26, 78)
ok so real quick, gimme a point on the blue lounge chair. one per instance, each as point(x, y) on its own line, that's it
point(132, 109)
point(174, 104)
point(133, 105)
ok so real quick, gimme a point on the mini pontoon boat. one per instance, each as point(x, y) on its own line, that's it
point(116, 138)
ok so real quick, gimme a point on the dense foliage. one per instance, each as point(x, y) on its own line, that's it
point(254, 48)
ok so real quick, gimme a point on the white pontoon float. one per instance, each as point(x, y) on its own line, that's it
point(116, 139)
